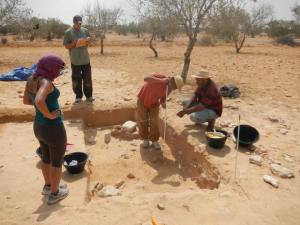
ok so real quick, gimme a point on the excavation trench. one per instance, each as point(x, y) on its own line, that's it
point(179, 162)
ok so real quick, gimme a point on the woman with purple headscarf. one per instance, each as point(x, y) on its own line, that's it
point(48, 124)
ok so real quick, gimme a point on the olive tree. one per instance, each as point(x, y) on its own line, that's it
point(101, 19)
point(188, 14)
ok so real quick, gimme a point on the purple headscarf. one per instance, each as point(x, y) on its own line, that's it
point(49, 66)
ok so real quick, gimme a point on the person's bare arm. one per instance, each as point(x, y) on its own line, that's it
point(40, 99)
point(187, 111)
point(26, 96)
point(71, 45)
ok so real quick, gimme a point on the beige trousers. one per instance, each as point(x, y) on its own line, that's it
point(148, 122)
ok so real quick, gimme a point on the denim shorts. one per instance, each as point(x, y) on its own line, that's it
point(202, 116)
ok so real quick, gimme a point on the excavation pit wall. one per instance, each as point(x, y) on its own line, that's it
point(191, 162)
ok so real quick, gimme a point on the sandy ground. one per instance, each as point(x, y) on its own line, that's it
point(269, 80)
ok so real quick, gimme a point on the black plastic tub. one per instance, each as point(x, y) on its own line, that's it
point(248, 135)
point(217, 142)
point(80, 157)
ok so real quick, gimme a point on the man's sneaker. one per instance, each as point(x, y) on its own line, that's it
point(47, 189)
point(156, 145)
point(77, 100)
point(54, 198)
point(146, 144)
point(90, 99)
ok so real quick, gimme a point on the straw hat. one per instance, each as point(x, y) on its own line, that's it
point(179, 82)
point(202, 74)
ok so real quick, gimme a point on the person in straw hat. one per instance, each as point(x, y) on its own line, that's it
point(206, 104)
point(151, 96)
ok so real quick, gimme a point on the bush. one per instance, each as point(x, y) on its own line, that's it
point(286, 41)
point(4, 40)
point(207, 41)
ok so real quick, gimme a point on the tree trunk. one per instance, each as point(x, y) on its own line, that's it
point(102, 46)
point(163, 38)
point(151, 46)
point(239, 43)
point(187, 58)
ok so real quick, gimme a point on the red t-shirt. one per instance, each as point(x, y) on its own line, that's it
point(152, 93)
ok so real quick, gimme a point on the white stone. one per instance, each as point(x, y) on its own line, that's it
point(226, 194)
point(270, 180)
point(288, 158)
point(140, 186)
point(160, 206)
point(107, 137)
point(283, 131)
point(129, 126)
point(281, 171)
point(109, 191)
point(256, 159)
point(273, 119)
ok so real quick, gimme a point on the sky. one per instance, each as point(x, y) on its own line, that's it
point(66, 9)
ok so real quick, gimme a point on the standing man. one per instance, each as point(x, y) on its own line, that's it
point(77, 40)
point(206, 104)
point(152, 94)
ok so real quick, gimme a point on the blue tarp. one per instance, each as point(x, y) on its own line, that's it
point(18, 74)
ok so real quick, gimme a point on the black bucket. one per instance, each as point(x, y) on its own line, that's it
point(217, 142)
point(248, 135)
point(80, 157)
point(39, 152)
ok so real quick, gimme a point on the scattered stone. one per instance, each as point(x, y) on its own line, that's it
point(274, 146)
point(107, 137)
point(140, 186)
point(130, 176)
point(1, 166)
point(252, 148)
point(133, 150)
point(273, 161)
point(281, 171)
point(226, 194)
point(270, 180)
point(186, 207)
point(20, 96)
point(127, 99)
point(20, 92)
point(283, 131)
point(96, 187)
point(288, 158)
point(273, 119)
point(91, 140)
point(125, 156)
point(129, 126)
point(233, 107)
point(224, 124)
point(8, 197)
point(119, 184)
point(160, 206)
point(133, 144)
point(67, 103)
point(256, 159)
point(17, 207)
point(109, 191)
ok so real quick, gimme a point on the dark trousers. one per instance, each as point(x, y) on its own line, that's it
point(82, 75)
point(53, 141)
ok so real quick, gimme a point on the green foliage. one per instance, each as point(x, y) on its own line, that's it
point(282, 28)
point(286, 40)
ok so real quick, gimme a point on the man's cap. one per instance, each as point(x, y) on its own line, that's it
point(202, 74)
point(77, 19)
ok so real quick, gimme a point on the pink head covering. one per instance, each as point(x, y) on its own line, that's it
point(49, 66)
